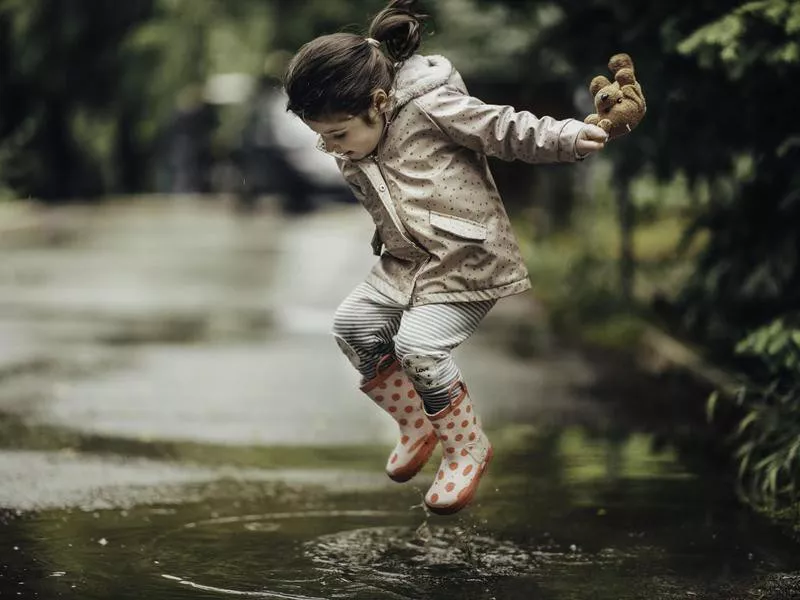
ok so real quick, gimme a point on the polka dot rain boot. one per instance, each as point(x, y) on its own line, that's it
point(391, 389)
point(466, 452)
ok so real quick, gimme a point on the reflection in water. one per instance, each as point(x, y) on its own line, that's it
point(562, 515)
point(227, 592)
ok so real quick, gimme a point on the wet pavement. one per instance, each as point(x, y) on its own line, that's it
point(175, 422)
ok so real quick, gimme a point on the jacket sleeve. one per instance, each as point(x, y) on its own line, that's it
point(500, 131)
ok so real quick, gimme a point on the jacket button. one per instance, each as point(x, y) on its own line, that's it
point(382, 188)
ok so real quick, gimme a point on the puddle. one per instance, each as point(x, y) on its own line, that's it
point(563, 514)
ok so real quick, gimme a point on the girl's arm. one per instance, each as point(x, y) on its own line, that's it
point(501, 131)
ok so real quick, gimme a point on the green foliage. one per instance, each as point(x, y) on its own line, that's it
point(767, 436)
point(88, 87)
point(735, 40)
point(749, 272)
point(718, 77)
point(60, 69)
point(721, 80)
point(185, 41)
point(777, 345)
point(467, 34)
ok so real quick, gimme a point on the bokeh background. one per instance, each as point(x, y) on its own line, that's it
point(688, 227)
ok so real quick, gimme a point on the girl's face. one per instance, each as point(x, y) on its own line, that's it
point(354, 136)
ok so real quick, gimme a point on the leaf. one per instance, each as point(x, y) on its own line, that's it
point(772, 480)
point(743, 465)
point(790, 455)
point(795, 335)
point(723, 33)
point(777, 343)
point(751, 418)
point(711, 404)
point(741, 395)
point(765, 461)
point(744, 449)
point(793, 21)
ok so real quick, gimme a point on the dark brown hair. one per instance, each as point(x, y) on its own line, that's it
point(337, 73)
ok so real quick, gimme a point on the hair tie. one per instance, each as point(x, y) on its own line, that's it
point(373, 42)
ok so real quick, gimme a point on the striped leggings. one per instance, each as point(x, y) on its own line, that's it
point(369, 325)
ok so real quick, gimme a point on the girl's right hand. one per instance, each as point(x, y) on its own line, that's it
point(590, 139)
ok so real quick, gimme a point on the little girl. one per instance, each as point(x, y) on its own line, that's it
point(413, 146)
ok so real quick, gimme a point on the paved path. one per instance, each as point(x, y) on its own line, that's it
point(173, 320)
point(175, 419)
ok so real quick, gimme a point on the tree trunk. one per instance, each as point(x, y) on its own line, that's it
point(58, 158)
point(129, 175)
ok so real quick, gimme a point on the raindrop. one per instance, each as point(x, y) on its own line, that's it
point(103, 541)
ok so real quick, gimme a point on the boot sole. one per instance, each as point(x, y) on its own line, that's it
point(420, 460)
point(466, 495)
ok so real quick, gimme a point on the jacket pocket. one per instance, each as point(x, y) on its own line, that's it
point(458, 226)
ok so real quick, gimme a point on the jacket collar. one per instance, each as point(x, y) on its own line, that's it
point(419, 75)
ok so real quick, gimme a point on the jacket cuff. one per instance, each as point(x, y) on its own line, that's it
point(566, 140)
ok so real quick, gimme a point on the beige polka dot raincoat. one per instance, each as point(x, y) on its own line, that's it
point(442, 232)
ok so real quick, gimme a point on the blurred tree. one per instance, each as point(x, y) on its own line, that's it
point(489, 44)
point(299, 22)
point(749, 273)
point(171, 57)
point(87, 86)
point(59, 69)
point(720, 77)
point(746, 284)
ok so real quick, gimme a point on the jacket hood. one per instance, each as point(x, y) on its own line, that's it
point(420, 75)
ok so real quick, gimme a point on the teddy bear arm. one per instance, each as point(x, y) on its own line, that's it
point(625, 77)
point(634, 92)
point(605, 124)
point(620, 61)
point(592, 119)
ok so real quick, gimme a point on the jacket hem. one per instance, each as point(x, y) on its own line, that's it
point(517, 287)
point(388, 290)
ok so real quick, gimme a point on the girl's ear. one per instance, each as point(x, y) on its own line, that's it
point(380, 101)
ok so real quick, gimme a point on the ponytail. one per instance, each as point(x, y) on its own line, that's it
point(399, 26)
point(337, 73)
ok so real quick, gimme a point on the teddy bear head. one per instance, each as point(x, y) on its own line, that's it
point(620, 104)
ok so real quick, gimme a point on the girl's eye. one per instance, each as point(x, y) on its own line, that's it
point(338, 136)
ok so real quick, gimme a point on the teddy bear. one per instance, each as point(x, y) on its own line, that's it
point(620, 105)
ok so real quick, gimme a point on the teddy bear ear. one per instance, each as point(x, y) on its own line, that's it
point(597, 84)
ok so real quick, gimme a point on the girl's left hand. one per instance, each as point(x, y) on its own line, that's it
point(590, 139)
